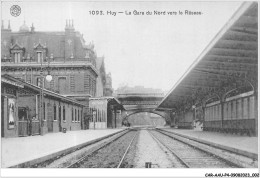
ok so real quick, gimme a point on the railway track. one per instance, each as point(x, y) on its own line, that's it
point(64, 159)
point(196, 155)
point(84, 159)
point(123, 157)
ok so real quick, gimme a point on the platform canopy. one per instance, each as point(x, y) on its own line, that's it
point(229, 62)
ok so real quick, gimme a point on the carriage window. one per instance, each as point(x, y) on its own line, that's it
point(72, 115)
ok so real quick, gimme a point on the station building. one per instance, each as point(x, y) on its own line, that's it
point(107, 113)
point(20, 110)
point(76, 72)
point(64, 55)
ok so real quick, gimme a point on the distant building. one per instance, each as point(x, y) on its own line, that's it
point(108, 86)
point(104, 81)
point(136, 89)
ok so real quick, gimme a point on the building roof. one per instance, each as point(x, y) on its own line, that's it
point(61, 44)
point(230, 58)
point(20, 82)
point(66, 48)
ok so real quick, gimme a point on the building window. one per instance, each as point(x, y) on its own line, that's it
point(62, 85)
point(64, 114)
point(59, 113)
point(98, 116)
point(17, 57)
point(75, 115)
point(52, 84)
point(38, 82)
point(78, 114)
point(72, 115)
point(39, 56)
point(54, 112)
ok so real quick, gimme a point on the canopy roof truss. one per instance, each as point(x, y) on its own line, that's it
point(229, 61)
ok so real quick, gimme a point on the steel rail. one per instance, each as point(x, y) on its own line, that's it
point(168, 148)
point(97, 149)
point(198, 148)
point(121, 161)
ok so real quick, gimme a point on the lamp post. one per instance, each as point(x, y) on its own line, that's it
point(48, 79)
point(94, 112)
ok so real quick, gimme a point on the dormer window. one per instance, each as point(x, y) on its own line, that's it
point(17, 52)
point(39, 56)
point(17, 57)
point(40, 52)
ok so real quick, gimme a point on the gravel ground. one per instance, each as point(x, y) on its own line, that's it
point(148, 150)
point(109, 156)
point(65, 160)
point(195, 158)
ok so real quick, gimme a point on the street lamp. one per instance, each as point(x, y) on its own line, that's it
point(94, 112)
point(48, 79)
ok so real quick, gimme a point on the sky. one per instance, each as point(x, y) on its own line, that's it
point(153, 51)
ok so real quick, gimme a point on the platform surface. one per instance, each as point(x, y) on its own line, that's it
point(21, 149)
point(236, 141)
